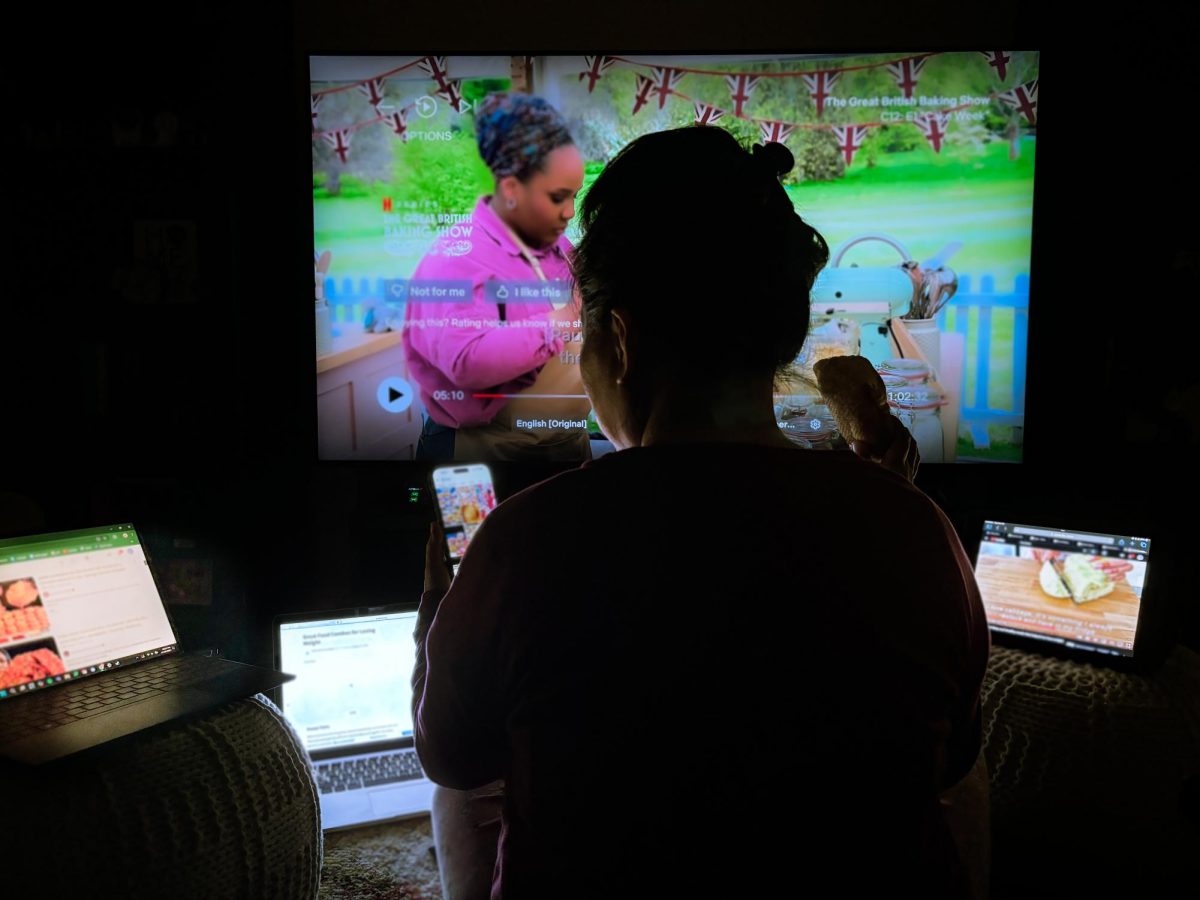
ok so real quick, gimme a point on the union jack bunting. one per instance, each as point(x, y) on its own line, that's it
point(998, 60)
point(596, 66)
point(850, 138)
point(435, 68)
point(373, 89)
point(398, 122)
point(933, 126)
point(775, 132)
point(452, 91)
point(1024, 98)
point(906, 72)
point(642, 96)
point(339, 141)
point(706, 113)
point(740, 89)
point(665, 81)
point(316, 101)
point(820, 85)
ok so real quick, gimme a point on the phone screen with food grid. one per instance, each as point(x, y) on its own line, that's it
point(465, 496)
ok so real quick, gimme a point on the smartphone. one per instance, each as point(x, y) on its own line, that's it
point(465, 495)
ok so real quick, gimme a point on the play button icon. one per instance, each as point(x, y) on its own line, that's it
point(394, 394)
point(426, 106)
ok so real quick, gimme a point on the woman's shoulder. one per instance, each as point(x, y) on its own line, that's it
point(751, 466)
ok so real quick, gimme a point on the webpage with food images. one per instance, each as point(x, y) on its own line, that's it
point(73, 603)
point(1077, 588)
point(465, 496)
point(352, 683)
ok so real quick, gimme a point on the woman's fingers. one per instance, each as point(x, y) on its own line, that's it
point(437, 577)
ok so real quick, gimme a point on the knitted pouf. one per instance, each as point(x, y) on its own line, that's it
point(1087, 768)
point(220, 806)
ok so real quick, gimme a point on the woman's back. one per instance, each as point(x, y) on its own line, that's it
point(733, 661)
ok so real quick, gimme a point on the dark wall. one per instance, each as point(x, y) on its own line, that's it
point(158, 357)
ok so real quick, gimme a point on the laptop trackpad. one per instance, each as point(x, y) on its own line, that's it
point(391, 801)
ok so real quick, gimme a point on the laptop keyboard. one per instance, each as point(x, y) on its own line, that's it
point(92, 696)
point(348, 774)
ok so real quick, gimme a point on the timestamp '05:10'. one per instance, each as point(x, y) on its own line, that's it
point(449, 395)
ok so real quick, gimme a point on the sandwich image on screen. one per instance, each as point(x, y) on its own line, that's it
point(1076, 588)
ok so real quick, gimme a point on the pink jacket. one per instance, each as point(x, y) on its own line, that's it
point(459, 347)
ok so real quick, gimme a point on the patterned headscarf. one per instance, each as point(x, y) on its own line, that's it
point(516, 132)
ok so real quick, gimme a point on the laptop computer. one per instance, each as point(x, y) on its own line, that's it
point(1076, 591)
point(351, 704)
point(88, 651)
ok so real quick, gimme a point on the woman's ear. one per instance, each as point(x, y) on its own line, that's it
point(507, 188)
point(622, 343)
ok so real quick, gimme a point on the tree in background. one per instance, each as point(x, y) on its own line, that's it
point(818, 157)
point(370, 156)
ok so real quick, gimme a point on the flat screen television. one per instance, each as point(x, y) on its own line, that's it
point(917, 167)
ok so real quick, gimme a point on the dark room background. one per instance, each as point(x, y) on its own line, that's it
point(176, 391)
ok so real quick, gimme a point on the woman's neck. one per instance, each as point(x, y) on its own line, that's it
point(740, 413)
point(505, 216)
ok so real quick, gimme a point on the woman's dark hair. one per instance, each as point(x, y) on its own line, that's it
point(697, 238)
point(516, 132)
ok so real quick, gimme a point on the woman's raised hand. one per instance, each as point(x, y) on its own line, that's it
point(900, 453)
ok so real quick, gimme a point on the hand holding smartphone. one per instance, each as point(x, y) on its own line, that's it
point(464, 496)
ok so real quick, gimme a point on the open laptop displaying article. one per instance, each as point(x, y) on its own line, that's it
point(353, 679)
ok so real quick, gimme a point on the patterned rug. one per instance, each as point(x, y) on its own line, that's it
point(381, 862)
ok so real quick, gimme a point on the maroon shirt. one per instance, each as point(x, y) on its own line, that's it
point(710, 664)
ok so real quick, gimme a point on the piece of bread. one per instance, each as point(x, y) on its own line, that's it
point(856, 396)
point(1086, 582)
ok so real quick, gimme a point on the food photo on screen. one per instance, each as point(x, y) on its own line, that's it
point(30, 664)
point(1086, 589)
point(22, 613)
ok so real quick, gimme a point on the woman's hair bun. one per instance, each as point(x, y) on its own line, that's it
point(773, 158)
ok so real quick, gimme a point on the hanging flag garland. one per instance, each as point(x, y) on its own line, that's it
point(740, 88)
point(775, 132)
point(381, 77)
point(998, 60)
point(642, 96)
point(448, 88)
point(933, 126)
point(906, 72)
point(706, 113)
point(850, 138)
point(453, 94)
point(339, 141)
point(1024, 99)
point(821, 85)
point(435, 68)
point(664, 83)
point(398, 122)
point(596, 66)
point(372, 88)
